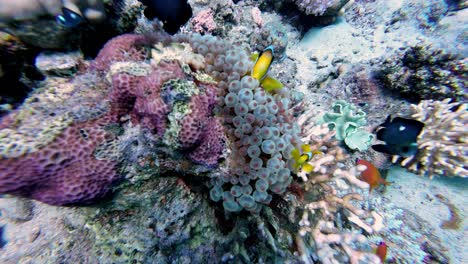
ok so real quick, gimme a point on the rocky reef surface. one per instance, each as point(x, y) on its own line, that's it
point(162, 149)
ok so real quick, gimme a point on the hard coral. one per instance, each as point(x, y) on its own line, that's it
point(212, 144)
point(424, 72)
point(61, 175)
point(127, 47)
point(442, 145)
point(320, 7)
point(73, 166)
point(177, 110)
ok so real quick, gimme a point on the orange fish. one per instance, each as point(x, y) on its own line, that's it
point(381, 251)
point(371, 175)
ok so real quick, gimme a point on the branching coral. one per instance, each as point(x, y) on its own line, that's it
point(442, 145)
point(322, 234)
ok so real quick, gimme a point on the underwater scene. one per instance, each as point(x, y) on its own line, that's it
point(233, 131)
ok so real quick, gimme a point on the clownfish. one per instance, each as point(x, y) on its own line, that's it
point(261, 68)
point(301, 158)
point(371, 175)
point(381, 251)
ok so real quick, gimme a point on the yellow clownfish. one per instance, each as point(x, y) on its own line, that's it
point(301, 158)
point(262, 66)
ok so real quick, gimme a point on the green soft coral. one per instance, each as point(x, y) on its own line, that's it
point(347, 121)
point(360, 140)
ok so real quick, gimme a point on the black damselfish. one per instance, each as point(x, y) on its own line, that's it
point(400, 135)
point(172, 13)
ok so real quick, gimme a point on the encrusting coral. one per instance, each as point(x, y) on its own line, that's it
point(442, 144)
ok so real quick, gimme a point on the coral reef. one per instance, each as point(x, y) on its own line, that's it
point(61, 166)
point(258, 125)
point(203, 21)
point(198, 156)
point(442, 145)
point(320, 7)
point(175, 103)
point(423, 72)
point(272, 34)
point(322, 234)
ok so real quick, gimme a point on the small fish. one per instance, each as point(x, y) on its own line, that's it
point(263, 63)
point(400, 135)
point(69, 18)
point(172, 13)
point(381, 251)
point(301, 158)
point(270, 84)
point(371, 175)
point(261, 68)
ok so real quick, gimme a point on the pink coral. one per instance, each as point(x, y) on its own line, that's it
point(149, 108)
point(204, 21)
point(127, 47)
point(212, 144)
point(64, 172)
point(193, 123)
point(257, 16)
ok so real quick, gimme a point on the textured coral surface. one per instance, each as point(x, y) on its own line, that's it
point(63, 172)
point(72, 167)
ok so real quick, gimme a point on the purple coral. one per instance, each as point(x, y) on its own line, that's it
point(127, 47)
point(64, 172)
point(141, 96)
point(212, 144)
point(192, 126)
